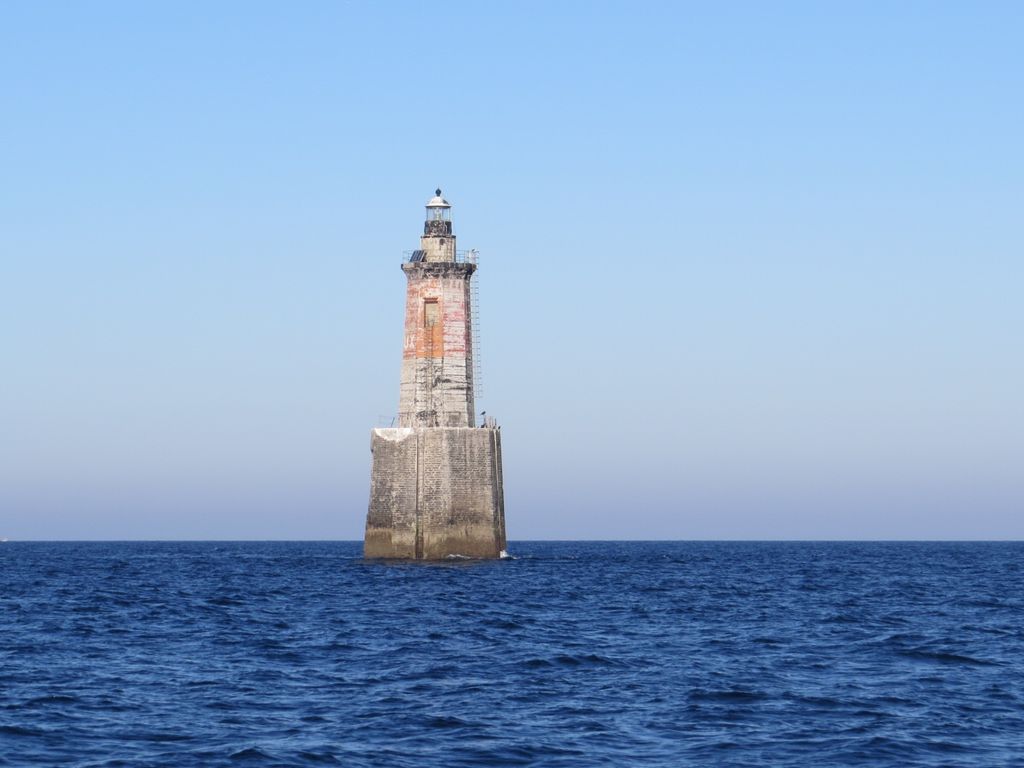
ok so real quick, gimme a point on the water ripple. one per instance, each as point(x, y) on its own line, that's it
point(569, 654)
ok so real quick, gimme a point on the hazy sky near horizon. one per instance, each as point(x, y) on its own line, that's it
point(748, 270)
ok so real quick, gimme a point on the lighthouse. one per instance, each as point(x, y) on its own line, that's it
point(437, 358)
point(436, 482)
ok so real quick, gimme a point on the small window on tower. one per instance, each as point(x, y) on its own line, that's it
point(430, 312)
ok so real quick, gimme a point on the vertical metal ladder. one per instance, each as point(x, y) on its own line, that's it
point(474, 317)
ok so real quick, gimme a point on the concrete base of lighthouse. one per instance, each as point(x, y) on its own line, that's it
point(435, 492)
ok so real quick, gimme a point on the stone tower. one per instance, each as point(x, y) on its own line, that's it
point(436, 486)
point(437, 360)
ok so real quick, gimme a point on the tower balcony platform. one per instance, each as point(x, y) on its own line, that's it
point(461, 257)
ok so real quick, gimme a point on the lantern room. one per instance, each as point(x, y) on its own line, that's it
point(439, 216)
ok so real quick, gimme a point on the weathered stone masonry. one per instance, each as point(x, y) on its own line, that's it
point(436, 484)
point(436, 492)
point(437, 359)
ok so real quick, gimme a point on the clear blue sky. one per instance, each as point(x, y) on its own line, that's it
point(749, 270)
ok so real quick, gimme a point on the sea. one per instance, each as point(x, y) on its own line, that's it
point(565, 654)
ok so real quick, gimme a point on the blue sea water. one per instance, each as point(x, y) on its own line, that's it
point(571, 654)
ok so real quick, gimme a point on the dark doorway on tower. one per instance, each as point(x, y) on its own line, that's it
point(429, 312)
